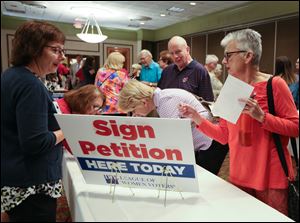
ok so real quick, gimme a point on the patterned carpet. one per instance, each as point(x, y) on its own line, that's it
point(63, 212)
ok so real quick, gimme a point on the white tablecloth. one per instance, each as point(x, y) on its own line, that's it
point(218, 200)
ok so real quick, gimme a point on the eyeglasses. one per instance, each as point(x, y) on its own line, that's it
point(57, 50)
point(97, 108)
point(227, 55)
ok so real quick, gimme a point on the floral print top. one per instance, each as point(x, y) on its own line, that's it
point(13, 196)
point(111, 82)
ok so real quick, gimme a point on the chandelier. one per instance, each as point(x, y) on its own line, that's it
point(87, 34)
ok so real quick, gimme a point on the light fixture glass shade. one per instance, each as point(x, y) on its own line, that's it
point(87, 34)
point(91, 38)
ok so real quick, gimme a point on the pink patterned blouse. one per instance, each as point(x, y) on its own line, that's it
point(111, 82)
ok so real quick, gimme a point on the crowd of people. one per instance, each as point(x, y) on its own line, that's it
point(32, 142)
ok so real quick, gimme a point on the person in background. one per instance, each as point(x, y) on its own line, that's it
point(283, 68)
point(141, 99)
point(185, 73)
point(31, 152)
point(88, 70)
point(211, 62)
point(63, 72)
point(136, 70)
point(216, 83)
point(110, 79)
point(254, 166)
point(151, 72)
point(73, 70)
point(188, 74)
point(51, 82)
point(165, 59)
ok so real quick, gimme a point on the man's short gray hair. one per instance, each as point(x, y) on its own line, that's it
point(145, 52)
point(211, 58)
point(246, 39)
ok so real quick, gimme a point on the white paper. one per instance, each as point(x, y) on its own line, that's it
point(227, 105)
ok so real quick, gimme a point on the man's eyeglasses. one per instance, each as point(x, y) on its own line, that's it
point(227, 55)
point(57, 50)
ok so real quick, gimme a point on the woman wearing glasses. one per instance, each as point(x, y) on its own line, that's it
point(87, 99)
point(254, 166)
point(31, 152)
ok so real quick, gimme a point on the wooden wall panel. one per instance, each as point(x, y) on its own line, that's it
point(151, 46)
point(199, 48)
point(267, 32)
point(214, 47)
point(288, 39)
point(162, 45)
point(284, 42)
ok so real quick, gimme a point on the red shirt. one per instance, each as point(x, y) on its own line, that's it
point(62, 69)
point(65, 109)
point(79, 74)
point(258, 166)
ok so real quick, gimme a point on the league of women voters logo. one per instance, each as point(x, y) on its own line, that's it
point(111, 179)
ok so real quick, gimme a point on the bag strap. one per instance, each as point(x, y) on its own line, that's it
point(276, 137)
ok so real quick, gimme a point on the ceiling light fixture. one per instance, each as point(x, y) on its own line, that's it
point(91, 37)
point(162, 14)
point(193, 3)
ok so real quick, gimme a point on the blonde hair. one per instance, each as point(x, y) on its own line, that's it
point(132, 94)
point(136, 66)
point(115, 60)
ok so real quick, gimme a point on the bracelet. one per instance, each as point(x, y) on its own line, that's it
point(150, 84)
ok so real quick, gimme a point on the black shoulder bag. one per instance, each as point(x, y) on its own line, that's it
point(293, 188)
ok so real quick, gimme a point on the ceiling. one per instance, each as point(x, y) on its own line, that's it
point(115, 14)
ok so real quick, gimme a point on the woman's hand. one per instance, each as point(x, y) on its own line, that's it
point(253, 109)
point(189, 112)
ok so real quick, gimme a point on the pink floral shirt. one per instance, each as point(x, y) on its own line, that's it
point(111, 82)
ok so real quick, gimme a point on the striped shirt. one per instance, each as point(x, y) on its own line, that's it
point(167, 101)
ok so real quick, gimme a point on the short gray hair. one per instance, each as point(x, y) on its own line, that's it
point(211, 58)
point(145, 52)
point(247, 39)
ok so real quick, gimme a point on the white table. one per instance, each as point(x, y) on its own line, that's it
point(218, 200)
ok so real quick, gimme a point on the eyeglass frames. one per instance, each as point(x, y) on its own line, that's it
point(227, 55)
point(57, 50)
point(97, 108)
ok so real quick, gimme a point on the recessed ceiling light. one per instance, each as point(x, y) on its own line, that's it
point(142, 23)
point(162, 14)
point(141, 18)
point(193, 3)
